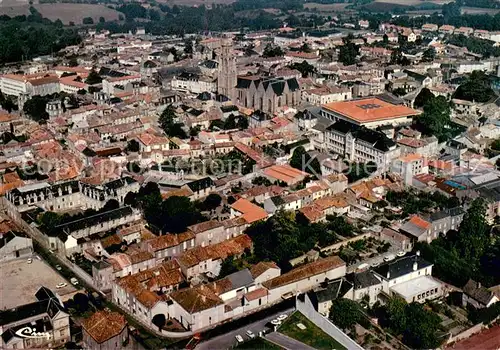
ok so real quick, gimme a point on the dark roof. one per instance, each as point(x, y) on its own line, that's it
point(230, 108)
point(400, 267)
point(111, 73)
point(204, 96)
point(49, 305)
point(377, 139)
point(364, 279)
point(243, 83)
point(94, 220)
point(209, 64)
point(6, 237)
point(150, 64)
point(201, 184)
point(477, 292)
point(335, 289)
point(276, 84)
point(240, 279)
point(438, 215)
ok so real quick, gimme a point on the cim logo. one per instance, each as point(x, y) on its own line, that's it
point(28, 332)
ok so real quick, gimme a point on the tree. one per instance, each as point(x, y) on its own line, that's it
point(48, 222)
point(399, 91)
point(93, 78)
point(188, 47)
point(110, 205)
point(212, 201)
point(159, 320)
point(345, 313)
point(304, 68)
point(81, 302)
point(474, 232)
point(436, 118)
point(102, 19)
point(421, 326)
point(424, 96)
point(476, 88)
point(303, 161)
point(429, 55)
point(88, 20)
point(132, 146)
point(395, 314)
point(272, 51)
point(397, 57)
point(348, 52)
point(167, 123)
point(35, 108)
point(72, 62)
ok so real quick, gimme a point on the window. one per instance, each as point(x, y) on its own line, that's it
point(61, 332)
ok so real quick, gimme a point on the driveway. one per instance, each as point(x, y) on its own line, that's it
point(287, 342)
point(228, 340)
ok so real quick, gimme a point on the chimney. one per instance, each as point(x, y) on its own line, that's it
point(418, 252)
point(415, 266)
point(388, 274)
point(203, 298)
point(478, 285)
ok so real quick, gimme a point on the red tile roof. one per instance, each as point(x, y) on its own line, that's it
point(104, 325)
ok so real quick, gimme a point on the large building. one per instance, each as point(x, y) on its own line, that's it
point(267, 94)
point(370, 112)
point(31, 85)
point(357, 143)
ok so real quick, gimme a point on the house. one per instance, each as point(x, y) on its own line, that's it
point(418, 229)
point(408, 166)
point(284, 173)
point(264, 271)
point(13, 246)
point(478, 296)
point(168, 246)
point(366, 286)
point(339, 288)
point(446, 29)
point(304, 278)
point(409, 277)
point(289, 202)
point(208, 232)
point(429, 27)
point(248, 211)
point(42, 323)
point(208, 260)
point(396, 239)
point(445, 220)
point(138, 293)
point(105, 330)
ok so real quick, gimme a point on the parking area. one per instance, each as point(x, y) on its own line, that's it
point(21, 280)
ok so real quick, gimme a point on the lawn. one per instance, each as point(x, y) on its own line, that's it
point(312, 335)
point(259, 344)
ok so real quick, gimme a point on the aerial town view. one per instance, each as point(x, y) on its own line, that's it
point(250, 174)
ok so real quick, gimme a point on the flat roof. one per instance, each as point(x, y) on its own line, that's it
point(369, 110)
point(416, 286)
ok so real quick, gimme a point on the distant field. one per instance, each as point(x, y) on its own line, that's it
point(414, 2)
point(195, 2)
point(326, 7)
point(479, 11)
point(65, 12)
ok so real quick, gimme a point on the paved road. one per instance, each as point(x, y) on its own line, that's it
point(287, 342)
point(226, 341)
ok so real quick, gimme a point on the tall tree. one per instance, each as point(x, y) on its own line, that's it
point(345, 313)
point(348, 52)
point(168, 124)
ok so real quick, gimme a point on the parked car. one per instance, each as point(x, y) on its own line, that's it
point(61, 285)
point(58, 267)
point(250, 334)
point(375, 264)
point(275, 322)
point(30, 260)
point(239, 338)
point(389, 257)
point(282, 317)
point(73, 281)
point(401, 253)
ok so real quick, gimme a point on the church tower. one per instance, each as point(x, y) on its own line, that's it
point(226, 77)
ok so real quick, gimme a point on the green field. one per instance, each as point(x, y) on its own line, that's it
point(312, 335)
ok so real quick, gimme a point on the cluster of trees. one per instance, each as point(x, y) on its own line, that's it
point(423, 202)
point(348, 51)
point(7, 103)
point(303, 161)
point(476, 88)
point(93, 78)
point(25, 37)
point(287, 235)
point(467, 253)
point(476, 45)
point(413, 321)
point(169, 125)
point(436, 118)
point(172, 215)
point(272, 51)
point(304, 68)
point(232, 122)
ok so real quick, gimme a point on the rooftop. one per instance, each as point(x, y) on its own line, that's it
point(369, 110)
point(104, 325)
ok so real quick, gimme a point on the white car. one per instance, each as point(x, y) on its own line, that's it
point(30, 260)
point(401, 253)
point(375, 264)
point(250, 334)
point(239, 338)
point(61, 285)
point(276, 322)
point(389, 258)
point(58, 267)
point(282, 317)
point(73, 281)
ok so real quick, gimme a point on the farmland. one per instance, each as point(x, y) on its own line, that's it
point(326, 7)
point(196, 2)
point(64, 11)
